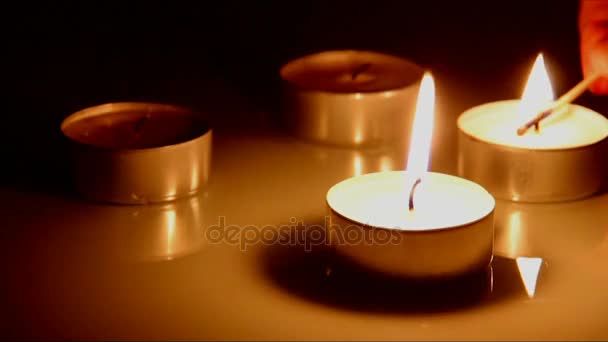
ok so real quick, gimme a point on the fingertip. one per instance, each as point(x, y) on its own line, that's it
point(600, 87)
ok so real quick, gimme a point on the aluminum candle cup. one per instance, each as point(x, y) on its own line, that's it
point(567, 159)
point(449, 232)
point(350, 98)
point(137, 153)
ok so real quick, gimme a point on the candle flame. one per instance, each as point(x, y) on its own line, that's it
point(422, 128)
point(538, 92)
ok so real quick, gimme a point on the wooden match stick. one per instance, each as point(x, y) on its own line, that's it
point(565, 99)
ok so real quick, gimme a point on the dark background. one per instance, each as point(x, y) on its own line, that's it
point(222, 58)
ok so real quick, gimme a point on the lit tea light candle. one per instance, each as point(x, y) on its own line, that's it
point(414, 223)
point(563, 159)
point(137, 153)
point(350, 97)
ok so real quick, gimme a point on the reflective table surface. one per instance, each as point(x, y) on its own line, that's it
point(237, 260)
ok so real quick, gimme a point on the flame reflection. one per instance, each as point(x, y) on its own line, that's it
point(357, 165)
point(529, 270)
point(515, 239)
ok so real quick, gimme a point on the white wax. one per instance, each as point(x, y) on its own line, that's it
point(497, 123)
point(381, 200)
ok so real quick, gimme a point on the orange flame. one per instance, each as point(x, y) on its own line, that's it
point(538, 92)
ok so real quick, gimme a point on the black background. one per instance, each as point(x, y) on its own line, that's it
point(223, 57)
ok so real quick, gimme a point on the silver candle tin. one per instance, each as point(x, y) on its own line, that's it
point(139, 175)
point(429, 254)
point(532, 175)
point(349, 97)
point(442, 252)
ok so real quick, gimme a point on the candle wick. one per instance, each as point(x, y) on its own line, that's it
point(359, 70)
point(565, 99)
point(535, 122)
point(137, 128)
point(139, 124)
point(411, 201)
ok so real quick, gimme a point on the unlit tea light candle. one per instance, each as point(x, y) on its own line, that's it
point(137, 128)
point(565, 159)
point(137, 153)
point(413, 223)
point(350, 97)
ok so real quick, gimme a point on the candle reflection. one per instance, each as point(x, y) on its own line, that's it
point(529, 270)
point(342, 163)
point(105, 234)
point(530, 234)
point(514, 235)
point(357, 165)
point(547, 230)
point(153, 232)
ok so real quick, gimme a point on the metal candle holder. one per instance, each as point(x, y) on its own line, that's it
point(350, 98)
point(109, 168)
point(528, 174)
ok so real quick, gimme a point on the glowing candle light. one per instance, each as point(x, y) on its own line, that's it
point(448, 231)
point(561, 160)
